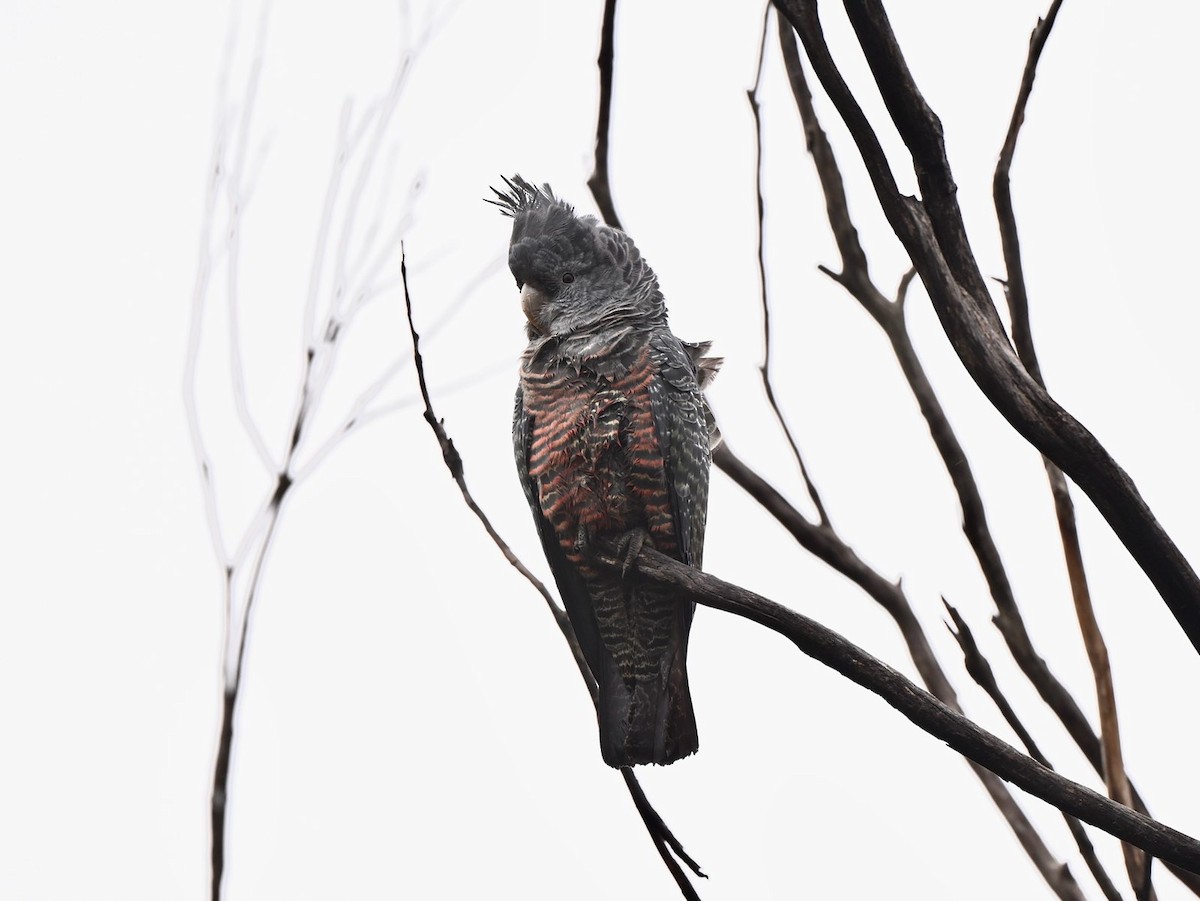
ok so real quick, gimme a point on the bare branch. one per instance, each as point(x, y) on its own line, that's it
point(1014, 286)
point(662, 837)
point(241, 595)
point(341, 155)
point(598, 181)
point(855, 275)
point(918, 705)
point(1018, 303)
point(765, 368)
point(932, 231)
point(233, 314)
point(856, 278)
point(388, 107)
point(204, 465)
point(235, 192)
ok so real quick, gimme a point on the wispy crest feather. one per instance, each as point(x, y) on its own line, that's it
point(523, 197)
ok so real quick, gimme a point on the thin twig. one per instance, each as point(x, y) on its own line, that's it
point(230, 175)
point(981, 671)
point(204, 265)
point(598, 182)
point(664, 840)
point(241, 595)
point(1115, 777)
point(765, 368)
point(341, 156)
point(236, 193)
point(919, 706)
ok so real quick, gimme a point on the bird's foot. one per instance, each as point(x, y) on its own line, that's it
point(629, 546)
point(583, 540)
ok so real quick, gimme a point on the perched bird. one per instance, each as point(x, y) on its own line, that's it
point(612, 439)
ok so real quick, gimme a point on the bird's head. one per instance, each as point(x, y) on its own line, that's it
point(573, 274)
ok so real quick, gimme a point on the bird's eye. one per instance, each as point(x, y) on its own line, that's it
point(568, 278)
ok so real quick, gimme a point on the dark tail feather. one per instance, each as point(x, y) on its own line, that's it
point(650, 720)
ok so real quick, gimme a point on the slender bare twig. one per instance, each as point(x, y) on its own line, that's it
point(204, 266)
point(918, 705)
point(1115, 777)
point(598, 182)
point(243, 573)
point(765, 368)
point(935, 237)
point(981, 671)
point(219, 176)
point(316, 272)
point(236, 197)
point(669, 848)
point(1014, 286)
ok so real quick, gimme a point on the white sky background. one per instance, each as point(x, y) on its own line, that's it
point(412, 724)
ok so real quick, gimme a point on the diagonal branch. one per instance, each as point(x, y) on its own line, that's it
point(918, 705)
point(1115, 777)
point(664, 840)
point(932, 232)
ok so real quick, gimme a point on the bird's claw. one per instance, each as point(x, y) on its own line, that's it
point(629, 546)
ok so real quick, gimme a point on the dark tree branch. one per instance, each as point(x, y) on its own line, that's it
point(230, 177)
point(918, 705)
point(981, 671)
point(765, 368)
point(855, 274)
point(825, 544)
point(1112, 757)
point(598, 181)
point(855, 277)
point(454, 463)
point(932, 232)
point(664, 840)
point(1014, 287)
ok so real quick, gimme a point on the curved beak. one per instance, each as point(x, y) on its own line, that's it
point(532, 302)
